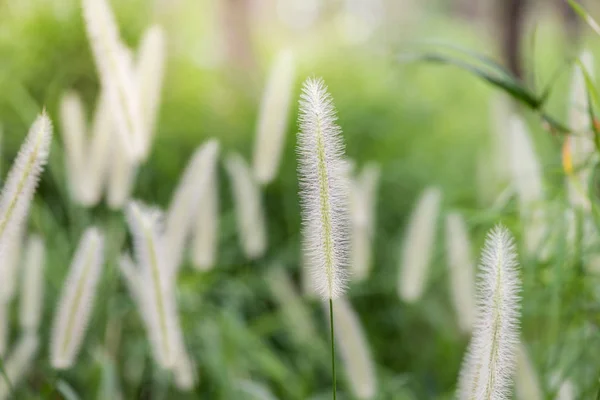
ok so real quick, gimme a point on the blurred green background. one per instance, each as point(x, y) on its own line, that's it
point(424, 124)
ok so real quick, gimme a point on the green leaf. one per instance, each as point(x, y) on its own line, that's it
point(585, 16)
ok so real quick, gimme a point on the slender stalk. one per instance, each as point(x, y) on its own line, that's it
point(332, 347)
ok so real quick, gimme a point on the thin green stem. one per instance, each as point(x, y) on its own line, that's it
point(332, 347)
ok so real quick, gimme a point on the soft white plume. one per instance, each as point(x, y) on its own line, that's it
point(528, 182)
point(323, 190)
point(191, 189)
point(489, 363)
point(500, 141)
point(565, 389)
point(293, 310)
point(122, 175)
point(9, 269)
point(22, 179)
point(363, 194)
point(527, 385)
point(580, 144)
point(32, 281)
point(462, 271)
point(247, 198)
point(273, 118)
point(116, 74)
point(150, 73)
point(77, 299)
point(73, 130)
point(206, 228)
point(18, 364)
point(354, 350)
point(418, 246)
point(154, 290)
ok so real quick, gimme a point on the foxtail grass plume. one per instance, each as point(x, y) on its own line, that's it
point(247, 198)
point(184, 370)
point(191, 189)
point(150, 73)
point(527, 385)
point(418, 246)
point(116, 74)
point(32, 284)
point(489, 364)
point(580, 145)
point(293, 311)
point(354, 350)
point(564, 387)
point(500, 142)
point(323, 190)
point(155, 285)
point(74, 131)
point(12, 253)
point(123, 171)
point(18, 364)
point(22, 179)
point(462, 270)
point(205, 233)
point(527, 180)
point(363, 192)
point(273, 118)
point(77, 299)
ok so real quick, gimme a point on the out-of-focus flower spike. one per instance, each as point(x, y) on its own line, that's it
point(74, 132)
point(273, 118)
point(116, 74)
point(22, 179)
point(123, 171)
point(191, 189)
point(18, 364)
point(150, 73)
point(354, 350)
point(32, 292)
point(9, 269)
point(248, 205)
point(527, 385)
point(205, 239)
point(324, 194)
point(77, 300)
point(418, 245)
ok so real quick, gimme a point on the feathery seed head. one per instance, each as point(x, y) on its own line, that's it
point(32, 293)
point(489, 364)
point(77, 300)
point(323, 190)
point(74, 131)
point(23, 177)
point(18, 363)
point(205, 235)
point(418, 245)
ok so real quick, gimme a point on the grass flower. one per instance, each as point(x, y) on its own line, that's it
point(116, 74)
point(323, 190)
point(490, 361)
point(22, 179)
point(418, 245)
point(462, 270)
point(150, 73)
point(74, 131)
point(273, 118)
point(32, 292)
point(205, 234)
point(154, 288)
point(77, 300)
point(123, 171)
point(18, 364)
point(354, 351)
point(191, 189)
point(11, 258)
point(527, 385)
point(248, 205)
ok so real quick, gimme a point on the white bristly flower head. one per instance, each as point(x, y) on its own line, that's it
point(18, 364)
point(205, 234)
point(77, 298)
point(73, 131)
point(489, 363)
point(32, 292)
point(418, 245)
point(323, 190)
point(123, 171)
point(354, 350)
point(247, 198)
point(273, 118)
point(462, 270)
point(22, 179)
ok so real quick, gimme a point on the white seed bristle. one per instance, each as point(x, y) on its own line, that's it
point(462, 270)
point(489, 363)
point(323, 190)
point(77, 299)
point(123, 171)
point(206, 228)
point(248, 206)
point(273, 118)
point(74, 131)
point(418, 245)
point(32, 292)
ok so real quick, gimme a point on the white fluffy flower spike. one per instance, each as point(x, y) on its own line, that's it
point(323, 190)
point(490, 361)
